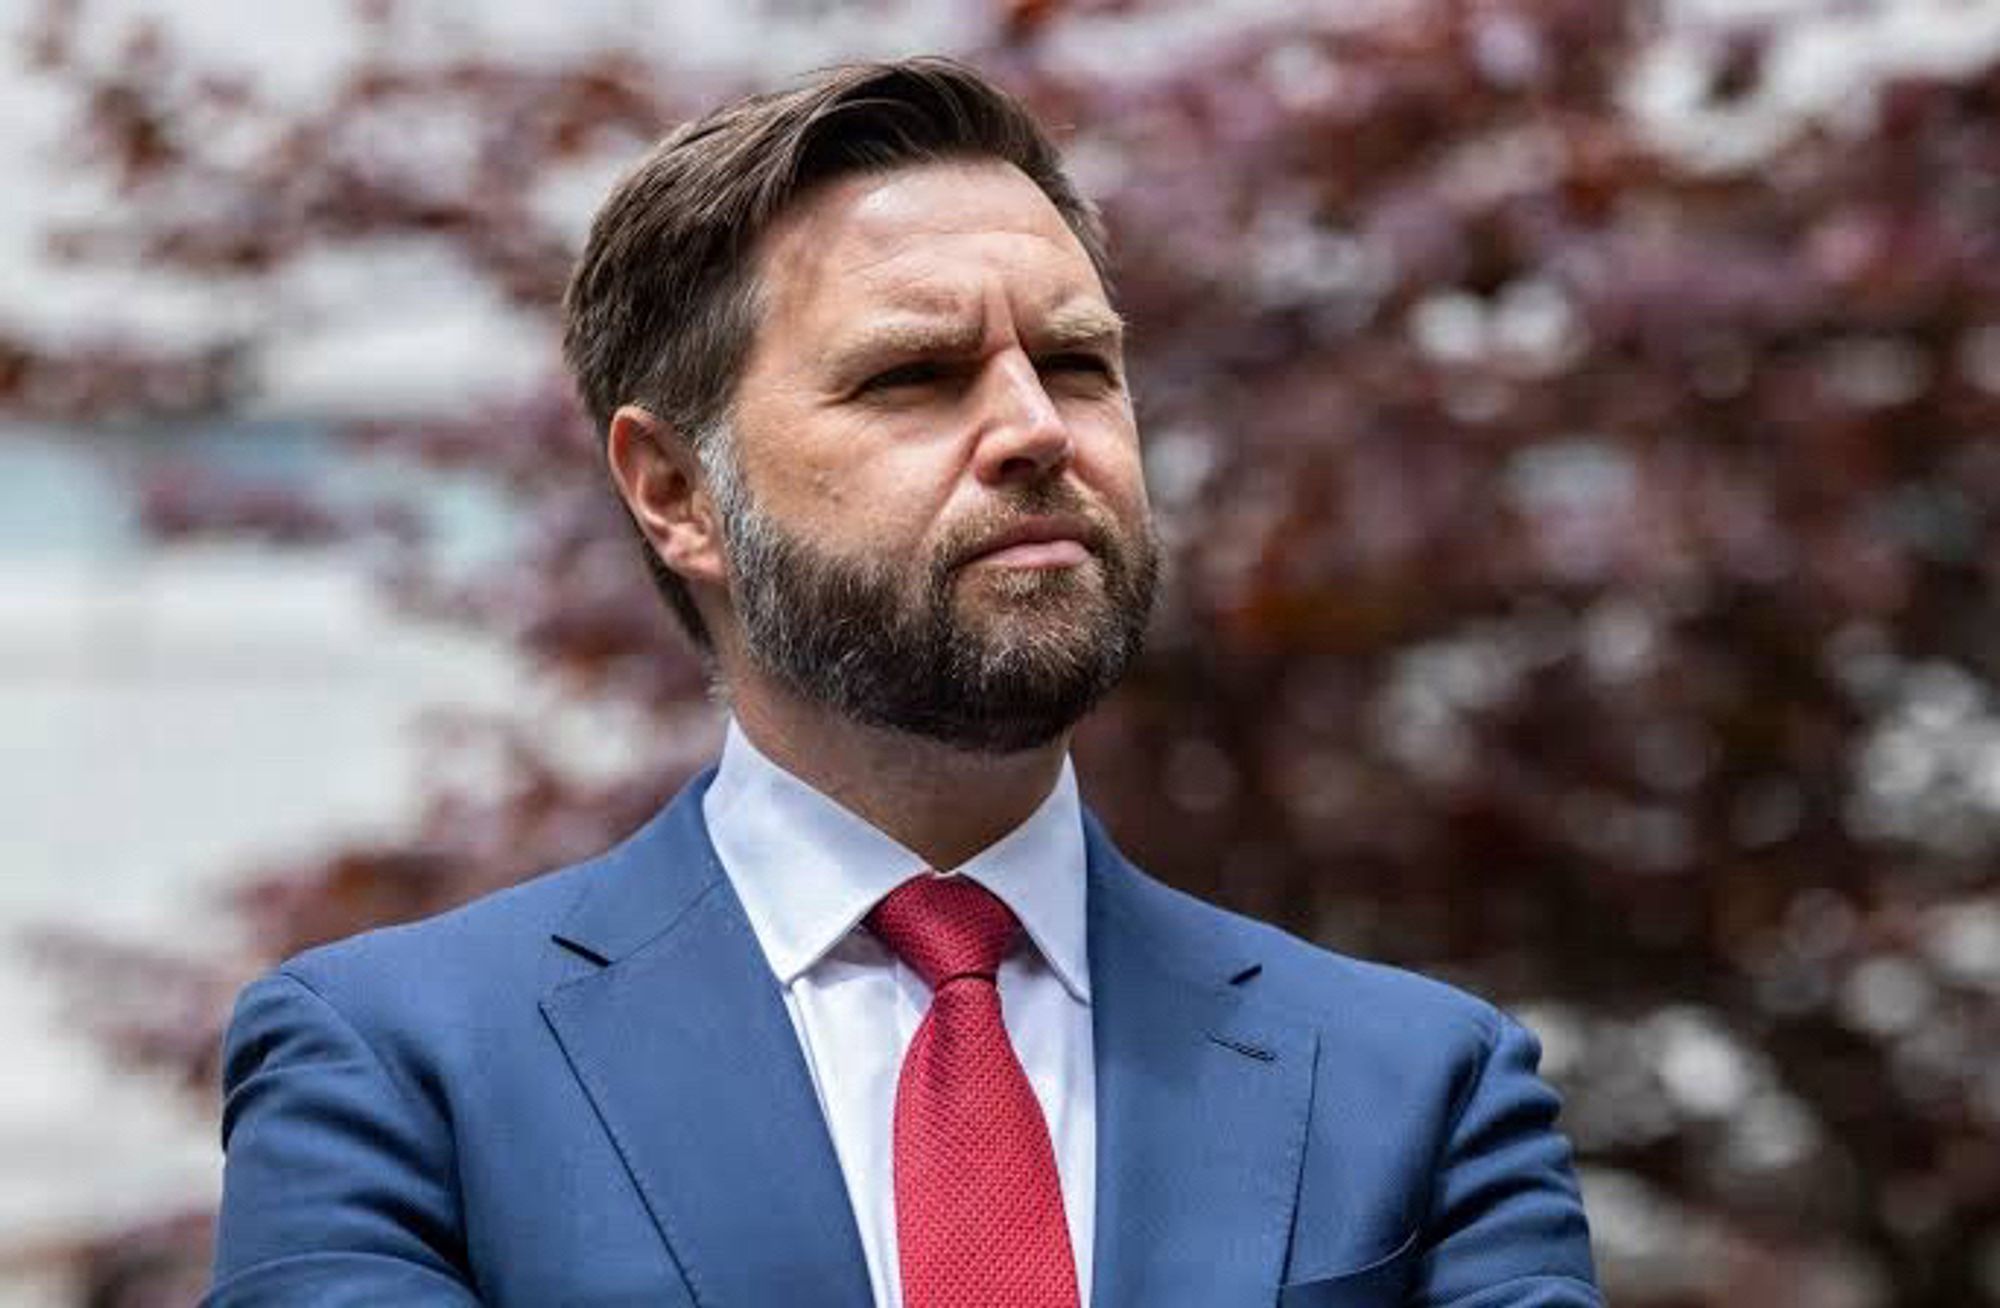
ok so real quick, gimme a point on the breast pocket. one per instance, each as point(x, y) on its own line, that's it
point(1378, 1284)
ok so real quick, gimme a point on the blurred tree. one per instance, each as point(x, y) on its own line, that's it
point(1575, 426)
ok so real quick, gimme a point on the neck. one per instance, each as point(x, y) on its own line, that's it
point(943, 804)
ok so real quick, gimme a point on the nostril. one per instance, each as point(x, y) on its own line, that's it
point(1029, 465)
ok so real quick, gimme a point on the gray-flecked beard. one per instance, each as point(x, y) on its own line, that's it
point(989, 660)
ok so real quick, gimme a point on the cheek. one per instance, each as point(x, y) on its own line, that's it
point(883, 505)
point(1110, 464)
point(835, 479)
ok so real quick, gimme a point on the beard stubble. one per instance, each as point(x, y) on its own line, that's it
point(985, 659)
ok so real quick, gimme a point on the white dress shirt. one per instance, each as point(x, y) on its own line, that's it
point(807, 871)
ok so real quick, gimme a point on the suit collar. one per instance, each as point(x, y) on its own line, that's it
point(1172, 931)
point(640, 889)
point(1203, 1099)
point(683, 1045)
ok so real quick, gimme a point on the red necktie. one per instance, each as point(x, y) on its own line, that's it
point(979, 1208)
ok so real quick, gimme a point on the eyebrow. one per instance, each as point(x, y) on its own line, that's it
point(907, 336)
point(1080, 324)
point(1068, 327)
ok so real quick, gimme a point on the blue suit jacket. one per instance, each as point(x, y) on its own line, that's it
point(586, 1090)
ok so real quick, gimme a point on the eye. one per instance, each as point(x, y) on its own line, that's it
point(1093, 366)
point(905, 375)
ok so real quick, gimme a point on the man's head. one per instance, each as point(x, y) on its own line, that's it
point(862, 390)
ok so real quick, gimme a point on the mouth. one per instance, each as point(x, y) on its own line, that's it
point(1035, 543)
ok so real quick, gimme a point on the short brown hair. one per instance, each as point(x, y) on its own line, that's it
point(662, 307)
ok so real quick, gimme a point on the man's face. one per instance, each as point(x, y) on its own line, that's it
point(935, 514)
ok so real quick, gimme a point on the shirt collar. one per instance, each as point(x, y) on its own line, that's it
point(807, 870)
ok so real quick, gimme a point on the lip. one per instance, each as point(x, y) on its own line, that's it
point(1065, 553)
point(1036, 543)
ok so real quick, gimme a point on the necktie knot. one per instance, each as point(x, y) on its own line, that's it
point(944, 927)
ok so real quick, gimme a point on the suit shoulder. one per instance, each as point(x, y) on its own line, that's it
point(461, 949)
point(1325, 985)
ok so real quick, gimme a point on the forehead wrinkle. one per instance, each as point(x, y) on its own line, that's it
point(866, 274)
point(955, 331)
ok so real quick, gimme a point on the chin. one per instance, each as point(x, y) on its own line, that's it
point(1031, 622)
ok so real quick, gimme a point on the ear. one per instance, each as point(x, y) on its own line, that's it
point(659, 477)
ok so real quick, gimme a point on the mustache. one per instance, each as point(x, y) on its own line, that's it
point(969, 539)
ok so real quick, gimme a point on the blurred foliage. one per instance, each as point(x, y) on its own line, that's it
point(1581, 498)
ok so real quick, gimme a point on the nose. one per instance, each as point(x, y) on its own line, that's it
point(1022, 436)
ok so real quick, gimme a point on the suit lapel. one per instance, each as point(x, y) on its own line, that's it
point(1202, 1103)
point(682, 1042)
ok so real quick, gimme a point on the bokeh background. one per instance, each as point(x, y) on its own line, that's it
point(1575, 426)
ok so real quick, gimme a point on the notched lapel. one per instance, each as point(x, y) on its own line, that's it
point(684, 1048)
point(1202, 1107)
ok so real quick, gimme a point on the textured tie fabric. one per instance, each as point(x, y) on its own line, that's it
point(979, 1209)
